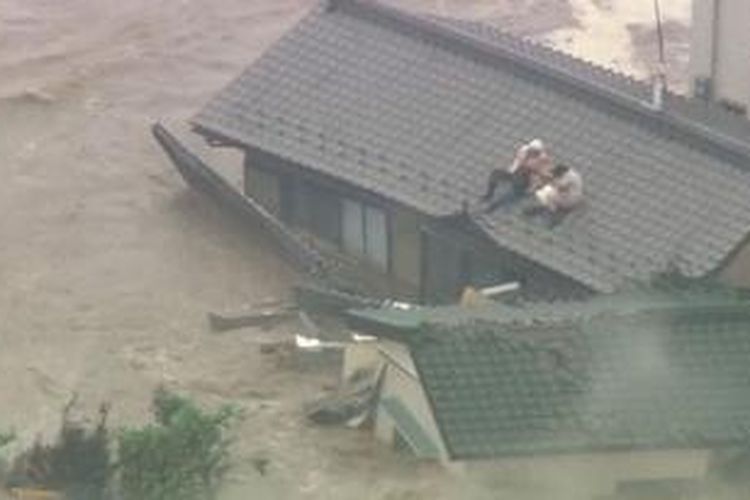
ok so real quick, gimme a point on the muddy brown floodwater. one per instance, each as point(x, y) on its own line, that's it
point(108, 263)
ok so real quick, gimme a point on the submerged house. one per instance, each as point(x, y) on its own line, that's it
point(616, 395)
point(372, 129)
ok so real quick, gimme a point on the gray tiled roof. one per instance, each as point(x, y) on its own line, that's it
point(420, 109)
point(625, 374)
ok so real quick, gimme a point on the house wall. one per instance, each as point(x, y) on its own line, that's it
point(262, 186)
point(719, 48)
point(587, 476)
point(406, 245)
point(737, 271)
point(401, 381)
point(314, 202)
point(428, 261)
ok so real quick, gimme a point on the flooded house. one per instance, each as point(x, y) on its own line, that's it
point(375, 130)
point(639, 393)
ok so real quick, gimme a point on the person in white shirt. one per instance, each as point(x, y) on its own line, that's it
point(563, 192)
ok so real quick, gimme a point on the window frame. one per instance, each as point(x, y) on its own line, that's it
point(363, 249)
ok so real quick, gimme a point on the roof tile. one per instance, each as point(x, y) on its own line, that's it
point(419, 96)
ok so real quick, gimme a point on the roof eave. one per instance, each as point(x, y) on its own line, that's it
point(225, 139)
point(559, 452)
point(215, 138)
point(599, 286)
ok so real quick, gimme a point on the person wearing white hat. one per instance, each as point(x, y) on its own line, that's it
point(531, 169)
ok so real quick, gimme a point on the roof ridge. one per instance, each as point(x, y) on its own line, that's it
point(539, 316)
point(733, 148)
point(550, 50)
point(612, 73)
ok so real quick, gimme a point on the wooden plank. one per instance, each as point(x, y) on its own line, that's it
point(265, 318)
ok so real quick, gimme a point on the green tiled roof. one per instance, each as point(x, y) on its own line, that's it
point(610, 374)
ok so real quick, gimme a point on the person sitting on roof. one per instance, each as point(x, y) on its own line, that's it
point(563, 192)
point(529, 171)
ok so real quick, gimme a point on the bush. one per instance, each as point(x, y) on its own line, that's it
point(6, 438)
point(76, 464)
point(81, 460)
point(183, 456)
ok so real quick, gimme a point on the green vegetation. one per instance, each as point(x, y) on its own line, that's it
point(76, 463)
point(183, 456)
point(6, 438)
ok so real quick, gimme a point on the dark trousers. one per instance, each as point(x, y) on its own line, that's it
point(519, 185)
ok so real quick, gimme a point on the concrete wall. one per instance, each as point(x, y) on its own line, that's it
point(401, 381)
point(720, 48)
point(587, 476)
point(360, 356)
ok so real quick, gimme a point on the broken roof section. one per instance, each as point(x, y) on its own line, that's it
point(418, 110)
point(631, 373)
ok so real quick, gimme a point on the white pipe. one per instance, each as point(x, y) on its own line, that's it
point(500, 289)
